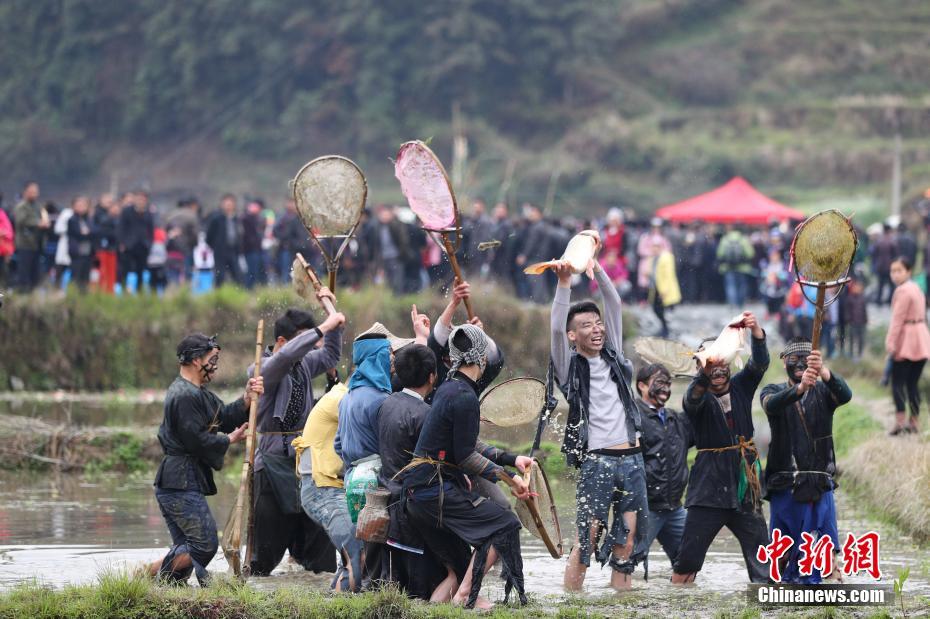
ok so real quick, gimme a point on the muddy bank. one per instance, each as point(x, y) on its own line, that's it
point(32, 443)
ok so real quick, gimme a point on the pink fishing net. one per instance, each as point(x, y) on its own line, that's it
point(425, 185)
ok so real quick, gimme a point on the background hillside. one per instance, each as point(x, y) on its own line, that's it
point(635, 103)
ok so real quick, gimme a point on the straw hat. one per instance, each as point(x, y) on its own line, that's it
point(396, 342)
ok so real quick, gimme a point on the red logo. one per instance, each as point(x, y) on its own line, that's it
point(860, 554)
point(773, 552)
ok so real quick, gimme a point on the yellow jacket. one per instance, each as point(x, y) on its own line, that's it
point(667, 280)
point(318, 436)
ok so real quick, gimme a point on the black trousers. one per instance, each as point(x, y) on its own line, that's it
point(28, 272)
point(80, 271)
point(702, 526)
point(904, 378)
point(275, 532)
point(133, 260)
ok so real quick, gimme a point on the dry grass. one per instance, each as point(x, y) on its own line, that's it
point(894, 472)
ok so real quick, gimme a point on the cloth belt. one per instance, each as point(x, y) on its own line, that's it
point(752, 476)
point(417, 461)
point(618, 453)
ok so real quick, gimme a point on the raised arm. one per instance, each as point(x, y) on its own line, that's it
point(558, 344)
point(613, 311)
point(695, 395)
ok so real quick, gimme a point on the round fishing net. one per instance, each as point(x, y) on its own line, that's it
point(426, 186)
point(823, 247)
point(544, 523)
point(675, 356)
point(514, 402)
point(330, 193)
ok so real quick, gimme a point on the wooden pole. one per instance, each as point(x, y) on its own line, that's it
point(450, 252)
point(315, 281)
point(248, 467)
point(818, 315)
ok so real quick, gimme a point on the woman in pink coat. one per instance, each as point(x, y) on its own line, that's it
point(907, 342)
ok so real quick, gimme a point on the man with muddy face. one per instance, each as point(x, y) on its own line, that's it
point(801, 464)
point(666, 439)
point(602, 432)
point(193, 450)
point(724, 488)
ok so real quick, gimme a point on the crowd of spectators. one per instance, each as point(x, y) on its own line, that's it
point(128, 244)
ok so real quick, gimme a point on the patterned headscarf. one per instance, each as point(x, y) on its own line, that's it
point(476, 353)
point(802, 349)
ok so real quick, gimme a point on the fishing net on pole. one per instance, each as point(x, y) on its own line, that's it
point(513, 402)
point(425, 184)
point(823, 248)
point(330, 194)
point(675, 356)
point(517, 402)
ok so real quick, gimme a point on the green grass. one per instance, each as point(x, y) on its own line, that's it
point(121, 597)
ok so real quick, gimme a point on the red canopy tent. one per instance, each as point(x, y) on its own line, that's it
point(735, 202)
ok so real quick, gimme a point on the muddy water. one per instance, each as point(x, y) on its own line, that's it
point(67, 529)
point(58, 529)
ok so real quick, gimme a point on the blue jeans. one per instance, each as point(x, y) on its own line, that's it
point(193, 532)
point(667, 527)
point(616, 483)
point(327, 507)
point(793, 518)
point(734, 284)
point(254, 265)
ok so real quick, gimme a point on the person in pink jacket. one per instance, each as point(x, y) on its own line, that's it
point(907, 343)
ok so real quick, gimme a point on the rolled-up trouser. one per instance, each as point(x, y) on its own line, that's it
point(193, 532)
point(327, 507)
point(618, 484)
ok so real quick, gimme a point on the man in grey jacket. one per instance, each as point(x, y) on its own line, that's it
point(288, 367)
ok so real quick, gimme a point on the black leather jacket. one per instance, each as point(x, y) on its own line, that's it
point(665, 454)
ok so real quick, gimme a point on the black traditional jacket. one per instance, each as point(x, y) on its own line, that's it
point(802, 430)
point(188, 436)
point(714, 479)
point(665, 454)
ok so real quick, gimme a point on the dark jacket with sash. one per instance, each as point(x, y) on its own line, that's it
point(576, 392)
point(801, 452)
point(714, 479)
point(188, 436)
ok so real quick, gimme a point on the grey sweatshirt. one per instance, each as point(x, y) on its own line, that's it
point(606, 416)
